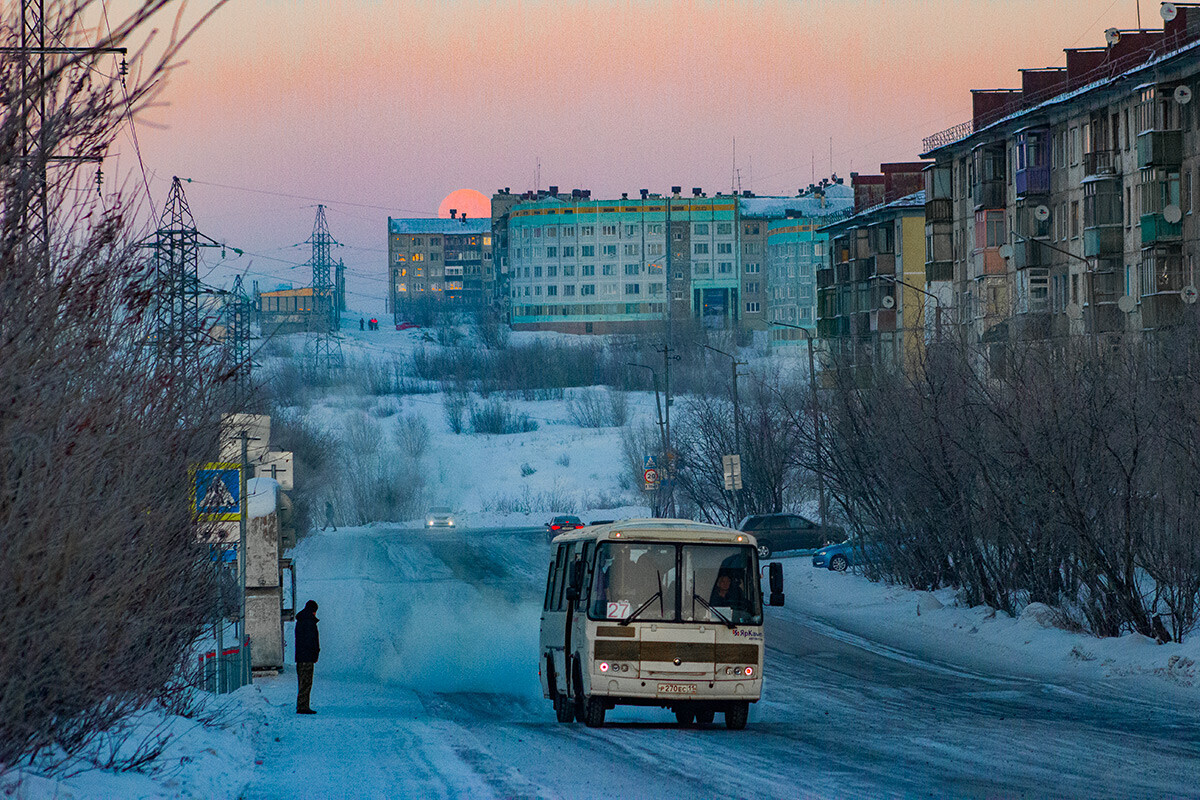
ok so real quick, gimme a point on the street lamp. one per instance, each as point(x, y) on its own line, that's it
point(937, 301)
point(822, 504)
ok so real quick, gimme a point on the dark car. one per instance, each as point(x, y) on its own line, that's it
point(777, 532)
point(561, 524)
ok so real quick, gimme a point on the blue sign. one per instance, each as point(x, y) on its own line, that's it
point(217, 490)
point(649, 462)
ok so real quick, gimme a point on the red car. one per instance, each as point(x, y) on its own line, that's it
point(403, 326)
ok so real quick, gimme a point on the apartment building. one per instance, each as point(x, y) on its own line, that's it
point(439, 260)
point(1067, 207)
point(871, 295)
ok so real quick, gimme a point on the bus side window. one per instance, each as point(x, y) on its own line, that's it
point(549, 587)
point(556, 582)
point(568, 551)
point(585, 590)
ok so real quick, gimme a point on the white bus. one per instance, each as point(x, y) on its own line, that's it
point(654, 612)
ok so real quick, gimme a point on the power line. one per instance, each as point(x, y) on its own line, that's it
point(305, 197)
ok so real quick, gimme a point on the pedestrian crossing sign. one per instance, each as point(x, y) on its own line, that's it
point(217, 492)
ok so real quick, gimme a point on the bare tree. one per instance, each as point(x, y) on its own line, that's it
point(106, 579)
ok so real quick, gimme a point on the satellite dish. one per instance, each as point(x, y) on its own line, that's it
point(1172, 214)
point(1168, 11)
point(1006, 251)
point(1041, 213)
point(1126, 303)
point(1074, 311)
point(1189, 294)
point(1112, 36)
point(888, 301)
point(1183, 95)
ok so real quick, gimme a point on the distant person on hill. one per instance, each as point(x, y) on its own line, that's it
point(308, 649)
point(362, 325)
point(329, 515)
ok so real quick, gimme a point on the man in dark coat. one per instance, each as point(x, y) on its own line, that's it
point(308, 648)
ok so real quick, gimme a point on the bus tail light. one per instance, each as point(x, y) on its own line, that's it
point(604, 666)
point(749, 671)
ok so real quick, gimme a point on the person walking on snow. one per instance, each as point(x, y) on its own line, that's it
point(362, 326)
point(329, 515)
point(308, 649)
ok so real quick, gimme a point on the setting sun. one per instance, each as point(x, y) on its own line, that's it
point(466, 201)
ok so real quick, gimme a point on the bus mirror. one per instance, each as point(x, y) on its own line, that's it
point(575, 580)
point(775, 574)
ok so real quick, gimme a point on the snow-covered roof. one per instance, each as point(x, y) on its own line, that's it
point(439, 226)
point(838, 198)
point(914, 200)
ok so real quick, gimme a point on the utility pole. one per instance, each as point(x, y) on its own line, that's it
point(668, 454)
point(822, 502)
point(737, 416)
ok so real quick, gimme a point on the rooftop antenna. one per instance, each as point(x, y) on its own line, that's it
point(1138, 3)
point(537, 175)
point(734, 182)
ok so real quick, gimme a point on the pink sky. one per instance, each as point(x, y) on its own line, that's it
point(395, 105)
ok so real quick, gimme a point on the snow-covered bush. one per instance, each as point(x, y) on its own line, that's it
point(494, 416)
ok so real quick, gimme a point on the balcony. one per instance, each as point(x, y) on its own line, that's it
point(1102, 163)
point(1033, 180)
point(1103, 241)
point(939, 271)
point(939, 210)
point(1155, 228)
point(1160, 149)
point(1031, 253)
point(824, 278)
point(989, 194)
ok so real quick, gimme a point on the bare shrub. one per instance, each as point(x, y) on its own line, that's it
point(618, 408)
point(494, 416)
point(314, 463)
point(491, 329)
point(455, 406)
point(412, 434)
point(588, 409)
point(563, 460)
point(106, 582)
point(386, 407)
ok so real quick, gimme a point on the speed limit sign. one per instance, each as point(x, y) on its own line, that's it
point(650, 479)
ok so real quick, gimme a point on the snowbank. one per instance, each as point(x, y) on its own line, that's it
point(934, 627)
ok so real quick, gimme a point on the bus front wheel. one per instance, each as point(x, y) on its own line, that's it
point(705, 717)
point(684, 716)
point(736, 715)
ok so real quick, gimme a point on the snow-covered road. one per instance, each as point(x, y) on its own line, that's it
point(427, 687)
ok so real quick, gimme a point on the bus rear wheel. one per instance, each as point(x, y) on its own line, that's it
point(593, 712)
point(564, 708)
point(736, 715)
point(684, 716)
point(705, 717)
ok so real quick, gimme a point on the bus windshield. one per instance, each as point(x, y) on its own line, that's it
point(642, 580)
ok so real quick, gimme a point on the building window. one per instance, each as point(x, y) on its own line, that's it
point(552, 291)
point(630, 230)
point(631, 249)
point(725, 268)
point(587, 288)
point(551, 232)
point(609, 250)
point(752, 287)
point(587, 230)
point(752, 308)
point(608, 269)
point(633, 288)
point(568, 230)
point(552, 272)
point(700, 248)
point(752, 268)
point(432, 257)
point(569, 290)
point(568, 270)
point(724, 248)
point(700, 229)
point(568, 251)
point(587, 251)
point(587, 270)
point(537, 272)
point(608, 230)
point(551, 252)
point(631, 269)
point(724, 228)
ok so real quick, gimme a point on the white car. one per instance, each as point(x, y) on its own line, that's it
point(439, 517)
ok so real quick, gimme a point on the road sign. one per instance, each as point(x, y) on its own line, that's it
point(217, 492)
point(650, 479)
point(649, 462)
point(732, 466)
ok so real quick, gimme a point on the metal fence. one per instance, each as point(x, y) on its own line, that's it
point(226, 670)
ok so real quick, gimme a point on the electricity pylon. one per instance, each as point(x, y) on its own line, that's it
point(326, 345)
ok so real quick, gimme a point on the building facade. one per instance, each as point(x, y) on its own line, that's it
point(439, 260)
point(1066, 207)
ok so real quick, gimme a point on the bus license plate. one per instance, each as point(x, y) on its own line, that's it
point(677, 688)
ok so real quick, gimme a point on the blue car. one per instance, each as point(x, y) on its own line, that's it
point(843, 555)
